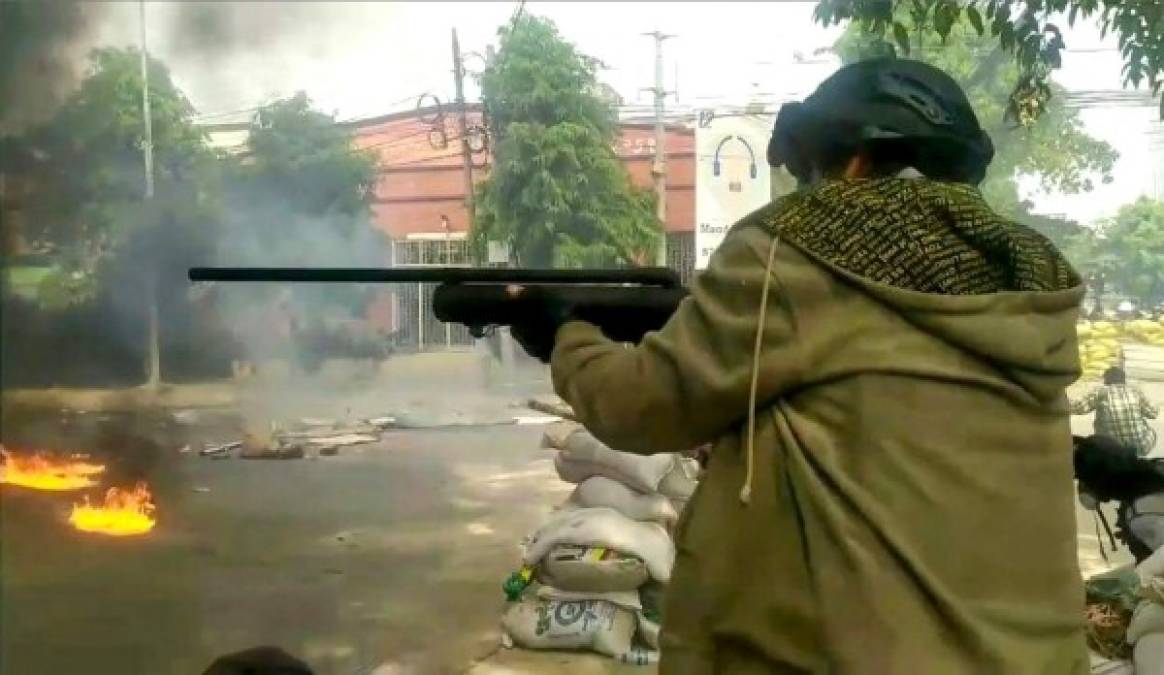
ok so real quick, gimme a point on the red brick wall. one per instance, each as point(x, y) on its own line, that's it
point(419, 183)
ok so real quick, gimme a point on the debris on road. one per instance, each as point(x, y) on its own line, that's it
point(556, 407)
point(185, 416)
point(325, 439)
point(536, 419)
point(267, 447)
point(342, 439)
point(220, 450)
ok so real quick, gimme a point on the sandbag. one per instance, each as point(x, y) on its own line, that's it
point(581, 456)
point(1104, 666)
point(599, 491)
point(628, 600)
point(593, 570)
point(607, 528)
point(1148, 656)
point(1148, 619)
point(586, 624)
point(555, 435)
point(680, 482)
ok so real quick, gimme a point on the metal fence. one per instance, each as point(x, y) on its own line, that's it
point(681, 254)
point(416, 327)
point(411, 316)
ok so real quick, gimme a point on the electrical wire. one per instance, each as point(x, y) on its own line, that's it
point(420, 160)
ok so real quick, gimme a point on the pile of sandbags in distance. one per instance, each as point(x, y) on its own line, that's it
point(1099, 347)
point(601, 561)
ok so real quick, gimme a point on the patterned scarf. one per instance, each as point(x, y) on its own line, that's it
point(917, 234)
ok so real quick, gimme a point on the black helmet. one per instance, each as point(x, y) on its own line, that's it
point(898, 108)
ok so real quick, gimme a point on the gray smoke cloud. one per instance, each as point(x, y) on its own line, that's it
point(253, 43)
point(224, 55)
point(42, 52)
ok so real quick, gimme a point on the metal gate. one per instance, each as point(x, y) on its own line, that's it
point(416, 326)
point(413, 322)
point(681, 254)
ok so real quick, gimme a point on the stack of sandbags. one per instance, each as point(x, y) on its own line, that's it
point(1146, 331)
point(602, 559)
point(1146, 629)
point(636, 485)
point(1099, 347)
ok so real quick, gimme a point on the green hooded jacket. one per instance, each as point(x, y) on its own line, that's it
point(901, 500)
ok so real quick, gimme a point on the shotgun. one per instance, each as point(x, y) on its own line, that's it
point(625, 303)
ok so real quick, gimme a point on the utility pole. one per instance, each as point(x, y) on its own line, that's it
point(659, 169)
point(463, 124)
point(154, 362)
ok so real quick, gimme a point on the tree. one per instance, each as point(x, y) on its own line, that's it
point(88, 184)
point(1135, 237)
point(86, 203)
point(300, 162)
point(1024, 30)
point(1055, 148)
point(557, 193)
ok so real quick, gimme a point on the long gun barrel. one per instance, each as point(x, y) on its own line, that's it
point(625, 304)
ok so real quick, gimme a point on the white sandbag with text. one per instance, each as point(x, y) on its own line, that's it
point(570, 624)
point(607, 528)
point(591, 569)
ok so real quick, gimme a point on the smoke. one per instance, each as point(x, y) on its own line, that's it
point(43, 44)
point(223, 55)
point(227, 55)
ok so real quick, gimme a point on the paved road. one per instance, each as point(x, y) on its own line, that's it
point(391, 555)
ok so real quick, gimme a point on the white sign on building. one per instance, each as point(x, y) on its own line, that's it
point(731, 175)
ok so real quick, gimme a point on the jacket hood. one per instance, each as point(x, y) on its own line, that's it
point(940, 257)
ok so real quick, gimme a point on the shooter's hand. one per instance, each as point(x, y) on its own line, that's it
point(548, 311)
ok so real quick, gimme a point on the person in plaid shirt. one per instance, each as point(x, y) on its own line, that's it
point(1121, 412)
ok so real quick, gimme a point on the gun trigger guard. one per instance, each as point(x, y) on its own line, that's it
point(482, 331)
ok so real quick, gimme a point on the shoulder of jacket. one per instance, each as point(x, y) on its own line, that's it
point(768, 216)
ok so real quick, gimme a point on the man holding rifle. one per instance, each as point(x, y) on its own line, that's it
point(880, 362)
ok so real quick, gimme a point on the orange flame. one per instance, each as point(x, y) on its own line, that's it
point(46, 473)
point(124, 513)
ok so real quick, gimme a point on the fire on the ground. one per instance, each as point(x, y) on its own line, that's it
point(41, 472)
point(122, 513)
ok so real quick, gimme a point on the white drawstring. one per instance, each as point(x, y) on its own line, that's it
point(746, 491)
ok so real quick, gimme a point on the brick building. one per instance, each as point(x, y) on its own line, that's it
point(420, 195)
point(419, 200)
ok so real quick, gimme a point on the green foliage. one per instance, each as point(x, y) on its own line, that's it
point(301, 158)
point(1054, 148)
point(87, 178)
point(557, 193)
point(1135, 238)
point(1022, 29)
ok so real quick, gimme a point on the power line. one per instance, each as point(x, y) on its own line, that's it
point(422, 160)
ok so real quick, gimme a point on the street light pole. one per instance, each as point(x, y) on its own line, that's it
point(659, 169)
point(154, 362)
